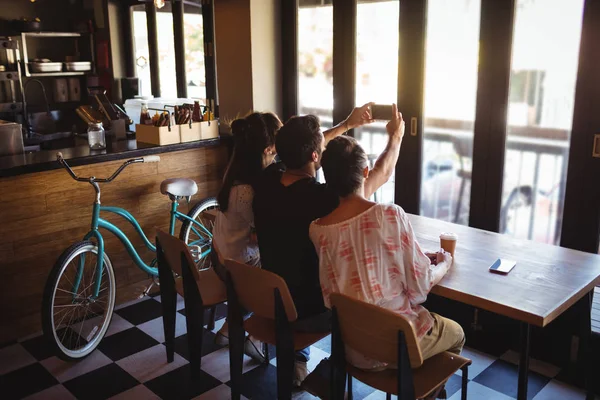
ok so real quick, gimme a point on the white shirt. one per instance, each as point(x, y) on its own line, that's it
point(374, 257)
point(233, 228)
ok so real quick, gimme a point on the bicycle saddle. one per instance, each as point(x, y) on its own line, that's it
point(180, 187)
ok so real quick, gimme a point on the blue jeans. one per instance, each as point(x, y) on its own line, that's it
point(314, 324)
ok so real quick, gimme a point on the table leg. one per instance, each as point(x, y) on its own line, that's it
point(585, 336)
point(524, 362)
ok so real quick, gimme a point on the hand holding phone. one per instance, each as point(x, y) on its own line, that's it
point(382, 112)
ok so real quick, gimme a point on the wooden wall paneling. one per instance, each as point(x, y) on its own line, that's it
point(41, 214)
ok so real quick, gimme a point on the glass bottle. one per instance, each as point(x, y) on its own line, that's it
point(196, 114)
point(96, 136)
point(145, 118)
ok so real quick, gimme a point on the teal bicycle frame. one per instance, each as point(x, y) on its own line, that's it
point(98, 223)
point(150, 269)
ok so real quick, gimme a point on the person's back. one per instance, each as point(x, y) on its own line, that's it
point(368, 251)
point(283, 214)
point(233, 227)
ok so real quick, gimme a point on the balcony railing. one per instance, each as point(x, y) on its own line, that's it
point(534, 183)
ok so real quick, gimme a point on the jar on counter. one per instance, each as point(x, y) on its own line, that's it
point(96, 136)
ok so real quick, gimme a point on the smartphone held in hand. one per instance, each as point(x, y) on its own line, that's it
point(381, 111)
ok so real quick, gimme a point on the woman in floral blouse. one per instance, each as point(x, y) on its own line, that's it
point(368, 251)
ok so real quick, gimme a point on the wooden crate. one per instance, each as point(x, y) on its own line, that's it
point(190, 134)
point(157, 135)
point(209, 129)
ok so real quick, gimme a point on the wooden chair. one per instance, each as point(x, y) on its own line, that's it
point(382, 335)
point(200, 290)
point(267, 296)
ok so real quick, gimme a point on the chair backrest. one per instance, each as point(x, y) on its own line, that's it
point(373, 331)
point(172, 249)
point(255, 289)
point(463, 146)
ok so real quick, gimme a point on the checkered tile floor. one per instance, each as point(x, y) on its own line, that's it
point(131, 364)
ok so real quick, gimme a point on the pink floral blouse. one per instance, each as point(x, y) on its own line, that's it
point(374, 257)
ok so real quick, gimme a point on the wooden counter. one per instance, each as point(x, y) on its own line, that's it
point(42, 213)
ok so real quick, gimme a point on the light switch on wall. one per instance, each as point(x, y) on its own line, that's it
point(596, 151)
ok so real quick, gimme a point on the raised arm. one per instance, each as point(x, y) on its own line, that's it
point(358, 117)
point(386, 162)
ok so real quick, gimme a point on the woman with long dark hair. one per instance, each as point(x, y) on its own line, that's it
point(233, 233)
point(253, 150)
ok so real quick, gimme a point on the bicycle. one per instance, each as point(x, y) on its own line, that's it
point(79, 295)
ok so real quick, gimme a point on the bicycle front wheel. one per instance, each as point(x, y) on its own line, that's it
point(78, 303)
point(199, 238)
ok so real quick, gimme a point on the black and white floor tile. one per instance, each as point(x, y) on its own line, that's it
point(131, 363)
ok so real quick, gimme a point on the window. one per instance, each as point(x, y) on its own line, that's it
point(449, 111)
point(315, 60)
point(377, 75)
point(194, 37)
point(142, 55)
point(166, 52)
point(194, 52)
point(540, 115)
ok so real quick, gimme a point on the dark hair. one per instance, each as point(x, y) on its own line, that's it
point(343, 164)
point(297, 139)
point(251, 136)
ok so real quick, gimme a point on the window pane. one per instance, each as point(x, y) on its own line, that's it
point(142, 57)
point(194, 52)
point(166, 53)
point(450, 97)
point(315, 61)
point(540, 113)
point(377, 74)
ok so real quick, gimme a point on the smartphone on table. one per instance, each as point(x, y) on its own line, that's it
point(502, 266)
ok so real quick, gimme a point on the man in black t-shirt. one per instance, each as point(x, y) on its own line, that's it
point(289, 198)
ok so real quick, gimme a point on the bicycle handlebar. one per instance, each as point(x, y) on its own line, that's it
point(63, 162)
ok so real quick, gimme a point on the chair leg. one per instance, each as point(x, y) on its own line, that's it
point(285, 350)
point(211, 319)
point(168, 301)
point(195, 333)
point(350, 395)
point(236, 339)
point(338, 360)
point(265, 350)
point(169, 309)
point(465, 382)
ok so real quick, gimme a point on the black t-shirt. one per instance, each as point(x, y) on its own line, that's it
point(282, 216)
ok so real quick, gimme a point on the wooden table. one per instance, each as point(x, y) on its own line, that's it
point(546, 281)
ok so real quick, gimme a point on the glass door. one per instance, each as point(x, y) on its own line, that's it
point(540, 116)
point(451, 60)
point(377, 75)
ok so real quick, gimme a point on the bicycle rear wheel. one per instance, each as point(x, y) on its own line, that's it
point(74, 320)
point(199, 239)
